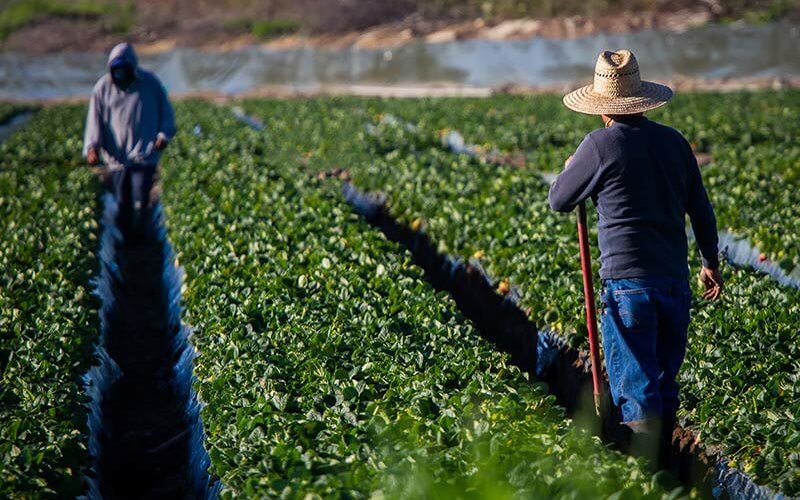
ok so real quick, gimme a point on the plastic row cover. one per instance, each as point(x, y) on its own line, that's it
point(740, 252)
point(727, 482)
point(100, 377)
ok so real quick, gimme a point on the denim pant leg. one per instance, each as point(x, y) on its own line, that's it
point(133, 194)
point(629, 326)
point(141, 183)
point(114, 183)
point(118, 183)
point(673, 313)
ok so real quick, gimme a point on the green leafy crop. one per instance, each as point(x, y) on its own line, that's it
point(328, 366)
point(9, 110)
point(740, 378)
point(48, 234)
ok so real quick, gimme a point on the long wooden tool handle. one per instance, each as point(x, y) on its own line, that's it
point(591, 312)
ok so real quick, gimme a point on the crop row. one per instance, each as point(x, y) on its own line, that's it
point(328, 366)
point(753, 177)
point(740, 380)
point(501, 215)
point(48, 235)
point(9, 110)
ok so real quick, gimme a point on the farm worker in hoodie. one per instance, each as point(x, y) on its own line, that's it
point(644, 180)
point(129, 123)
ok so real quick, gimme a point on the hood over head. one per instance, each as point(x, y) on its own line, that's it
point(123, 51)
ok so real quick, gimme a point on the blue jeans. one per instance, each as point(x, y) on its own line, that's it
point(132, 186)
point(644, 323)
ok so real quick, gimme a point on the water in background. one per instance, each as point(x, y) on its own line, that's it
point(715, 51)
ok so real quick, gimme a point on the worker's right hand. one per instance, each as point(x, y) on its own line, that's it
point(92, 158)
point(711, 279)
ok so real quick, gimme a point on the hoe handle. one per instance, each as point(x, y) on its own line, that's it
point(591, 313)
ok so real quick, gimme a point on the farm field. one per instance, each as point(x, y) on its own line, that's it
point(522, 240)
point(48, 239)
point(327, 364)
point(501, 214)
point(9, 110)
point(751, 137)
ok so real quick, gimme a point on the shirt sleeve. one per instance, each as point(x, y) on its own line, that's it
point(166, 126)
point(93, 135)
point(579, 180)
point(701, 213)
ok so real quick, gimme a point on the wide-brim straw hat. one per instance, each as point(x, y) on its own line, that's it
point(618, 88)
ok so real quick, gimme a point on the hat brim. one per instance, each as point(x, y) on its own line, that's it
point(585, 100)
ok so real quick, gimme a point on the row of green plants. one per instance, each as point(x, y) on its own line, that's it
point(740, 380)
point(328, 366)
point(255, 229)
point(753, 177)
point(10, 110)
point(48, 239)
point(501, 215)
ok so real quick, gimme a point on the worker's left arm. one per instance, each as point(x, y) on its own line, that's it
point(166, 119)
point(93, 134)
point(579, 179)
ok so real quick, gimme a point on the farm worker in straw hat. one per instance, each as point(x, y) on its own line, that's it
point(643, 178)
point(130, 121)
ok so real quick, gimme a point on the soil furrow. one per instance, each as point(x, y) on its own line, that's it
point(146, 435)
point(546, 356)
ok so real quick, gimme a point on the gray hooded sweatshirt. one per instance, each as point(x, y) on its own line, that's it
point(123, 124)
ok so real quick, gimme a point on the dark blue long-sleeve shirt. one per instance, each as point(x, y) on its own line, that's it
point(643, 178)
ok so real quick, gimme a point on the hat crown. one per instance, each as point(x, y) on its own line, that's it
point(616, 74)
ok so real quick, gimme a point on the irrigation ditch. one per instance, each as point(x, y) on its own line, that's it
point(546, 356)
point(145, 433)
